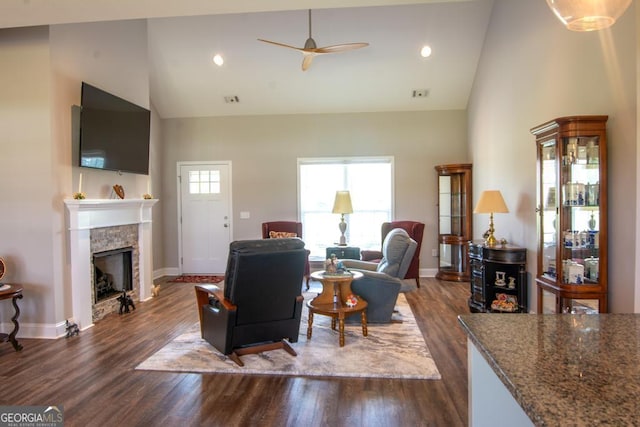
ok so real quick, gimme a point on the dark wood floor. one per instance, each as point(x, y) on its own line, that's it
point(93, 375)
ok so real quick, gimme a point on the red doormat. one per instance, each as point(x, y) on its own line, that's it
point(188, 278)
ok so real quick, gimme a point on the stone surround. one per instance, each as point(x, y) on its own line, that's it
point(107, 239)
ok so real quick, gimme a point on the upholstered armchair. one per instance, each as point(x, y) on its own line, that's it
point(383, 281)
point(279, 229)
point(261, 304)
point(415, 231)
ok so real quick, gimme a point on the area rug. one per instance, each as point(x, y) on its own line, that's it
point(395, 350)
point(189, 278)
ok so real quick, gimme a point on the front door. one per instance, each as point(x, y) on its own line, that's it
point(205, 216)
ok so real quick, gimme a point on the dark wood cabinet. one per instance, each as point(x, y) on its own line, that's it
point(454, 221)
point(572, 215)
point(498, 278)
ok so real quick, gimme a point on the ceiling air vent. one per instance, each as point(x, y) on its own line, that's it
point(420, 93)
point(231, 99)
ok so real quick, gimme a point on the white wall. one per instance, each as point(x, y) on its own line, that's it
point(113, 57)
point(26, 173)
point(533, 70)
point(40, 74)
point(264, 152)
point(156, 154)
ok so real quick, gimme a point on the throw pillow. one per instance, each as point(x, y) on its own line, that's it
point(281, 234)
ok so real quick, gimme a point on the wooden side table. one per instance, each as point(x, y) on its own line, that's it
point(14, 292)
point(332, 301)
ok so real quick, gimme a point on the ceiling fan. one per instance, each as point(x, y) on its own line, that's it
point(310, 49)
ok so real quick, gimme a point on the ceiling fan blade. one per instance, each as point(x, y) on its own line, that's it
point(310, 50)
point(281, 44)
point(341, 47)
point(306, 61)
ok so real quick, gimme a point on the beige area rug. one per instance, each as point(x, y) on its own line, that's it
point(394, 350)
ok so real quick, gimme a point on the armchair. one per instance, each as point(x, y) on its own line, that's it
point(382, 282)
point(415, 231)
point(279, 229)
point(261, 303)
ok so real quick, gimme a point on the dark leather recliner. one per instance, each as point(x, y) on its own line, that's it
point(415, 230)
point(261, 303)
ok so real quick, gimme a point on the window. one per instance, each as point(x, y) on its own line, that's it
point(370, 183)
point(204, 182)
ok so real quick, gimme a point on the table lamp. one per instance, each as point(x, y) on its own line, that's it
point(342, 205)
point(491, 202)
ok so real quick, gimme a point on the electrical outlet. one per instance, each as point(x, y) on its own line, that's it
point(434, 252)
point(420, 93)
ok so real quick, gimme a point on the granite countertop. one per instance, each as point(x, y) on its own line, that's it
point(565, 369)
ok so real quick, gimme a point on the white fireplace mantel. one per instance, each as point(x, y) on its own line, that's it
point(87, 214)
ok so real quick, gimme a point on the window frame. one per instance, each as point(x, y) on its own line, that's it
point(347, 160)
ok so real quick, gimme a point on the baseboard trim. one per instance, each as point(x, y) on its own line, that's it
point(169, 271)
point(174, 271)
point(428, 272)
point(37, 330)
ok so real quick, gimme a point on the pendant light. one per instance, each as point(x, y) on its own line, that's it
point(588, 15)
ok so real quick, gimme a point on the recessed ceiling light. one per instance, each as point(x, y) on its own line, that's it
point(218, 60)
point(425, 51)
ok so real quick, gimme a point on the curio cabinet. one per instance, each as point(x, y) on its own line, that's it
point(454, 221)
point(572, 215)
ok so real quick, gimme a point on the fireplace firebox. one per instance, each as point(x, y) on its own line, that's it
point(112, 273)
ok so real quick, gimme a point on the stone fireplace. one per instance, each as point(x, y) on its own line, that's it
point(108, 226)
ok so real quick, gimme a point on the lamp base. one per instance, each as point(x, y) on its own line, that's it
point(491, 239)
point(343, 228)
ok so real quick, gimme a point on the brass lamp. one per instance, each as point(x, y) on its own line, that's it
point(342, 205)
point(491, 202)
point(588, 15)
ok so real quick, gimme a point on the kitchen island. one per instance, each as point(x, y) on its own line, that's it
point(551, 370)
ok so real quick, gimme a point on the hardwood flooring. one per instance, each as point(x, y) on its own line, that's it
point(93, 377)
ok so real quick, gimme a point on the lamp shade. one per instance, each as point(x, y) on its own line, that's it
point(491, 201)
point(342, 204)
point(588, 15)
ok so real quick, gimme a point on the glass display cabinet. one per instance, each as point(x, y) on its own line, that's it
point(454, 221)
point(572, 215)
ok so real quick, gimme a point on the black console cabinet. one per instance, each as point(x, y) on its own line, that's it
point(344, 252)
point(498, 278)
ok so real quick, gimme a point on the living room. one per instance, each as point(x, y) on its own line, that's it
point(530, 71)
point(492, 133)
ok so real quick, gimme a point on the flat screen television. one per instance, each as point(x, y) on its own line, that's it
point(114, 133)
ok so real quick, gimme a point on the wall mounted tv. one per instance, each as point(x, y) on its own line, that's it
point(114, 133)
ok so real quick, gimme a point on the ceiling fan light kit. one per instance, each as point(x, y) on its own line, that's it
point(310, 49)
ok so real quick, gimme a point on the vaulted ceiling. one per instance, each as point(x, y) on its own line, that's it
point(267, 79)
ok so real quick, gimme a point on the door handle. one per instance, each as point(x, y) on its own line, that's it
point(226, 225)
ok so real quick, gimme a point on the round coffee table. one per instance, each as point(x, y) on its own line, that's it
point(332, 302)
point(14, 292)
